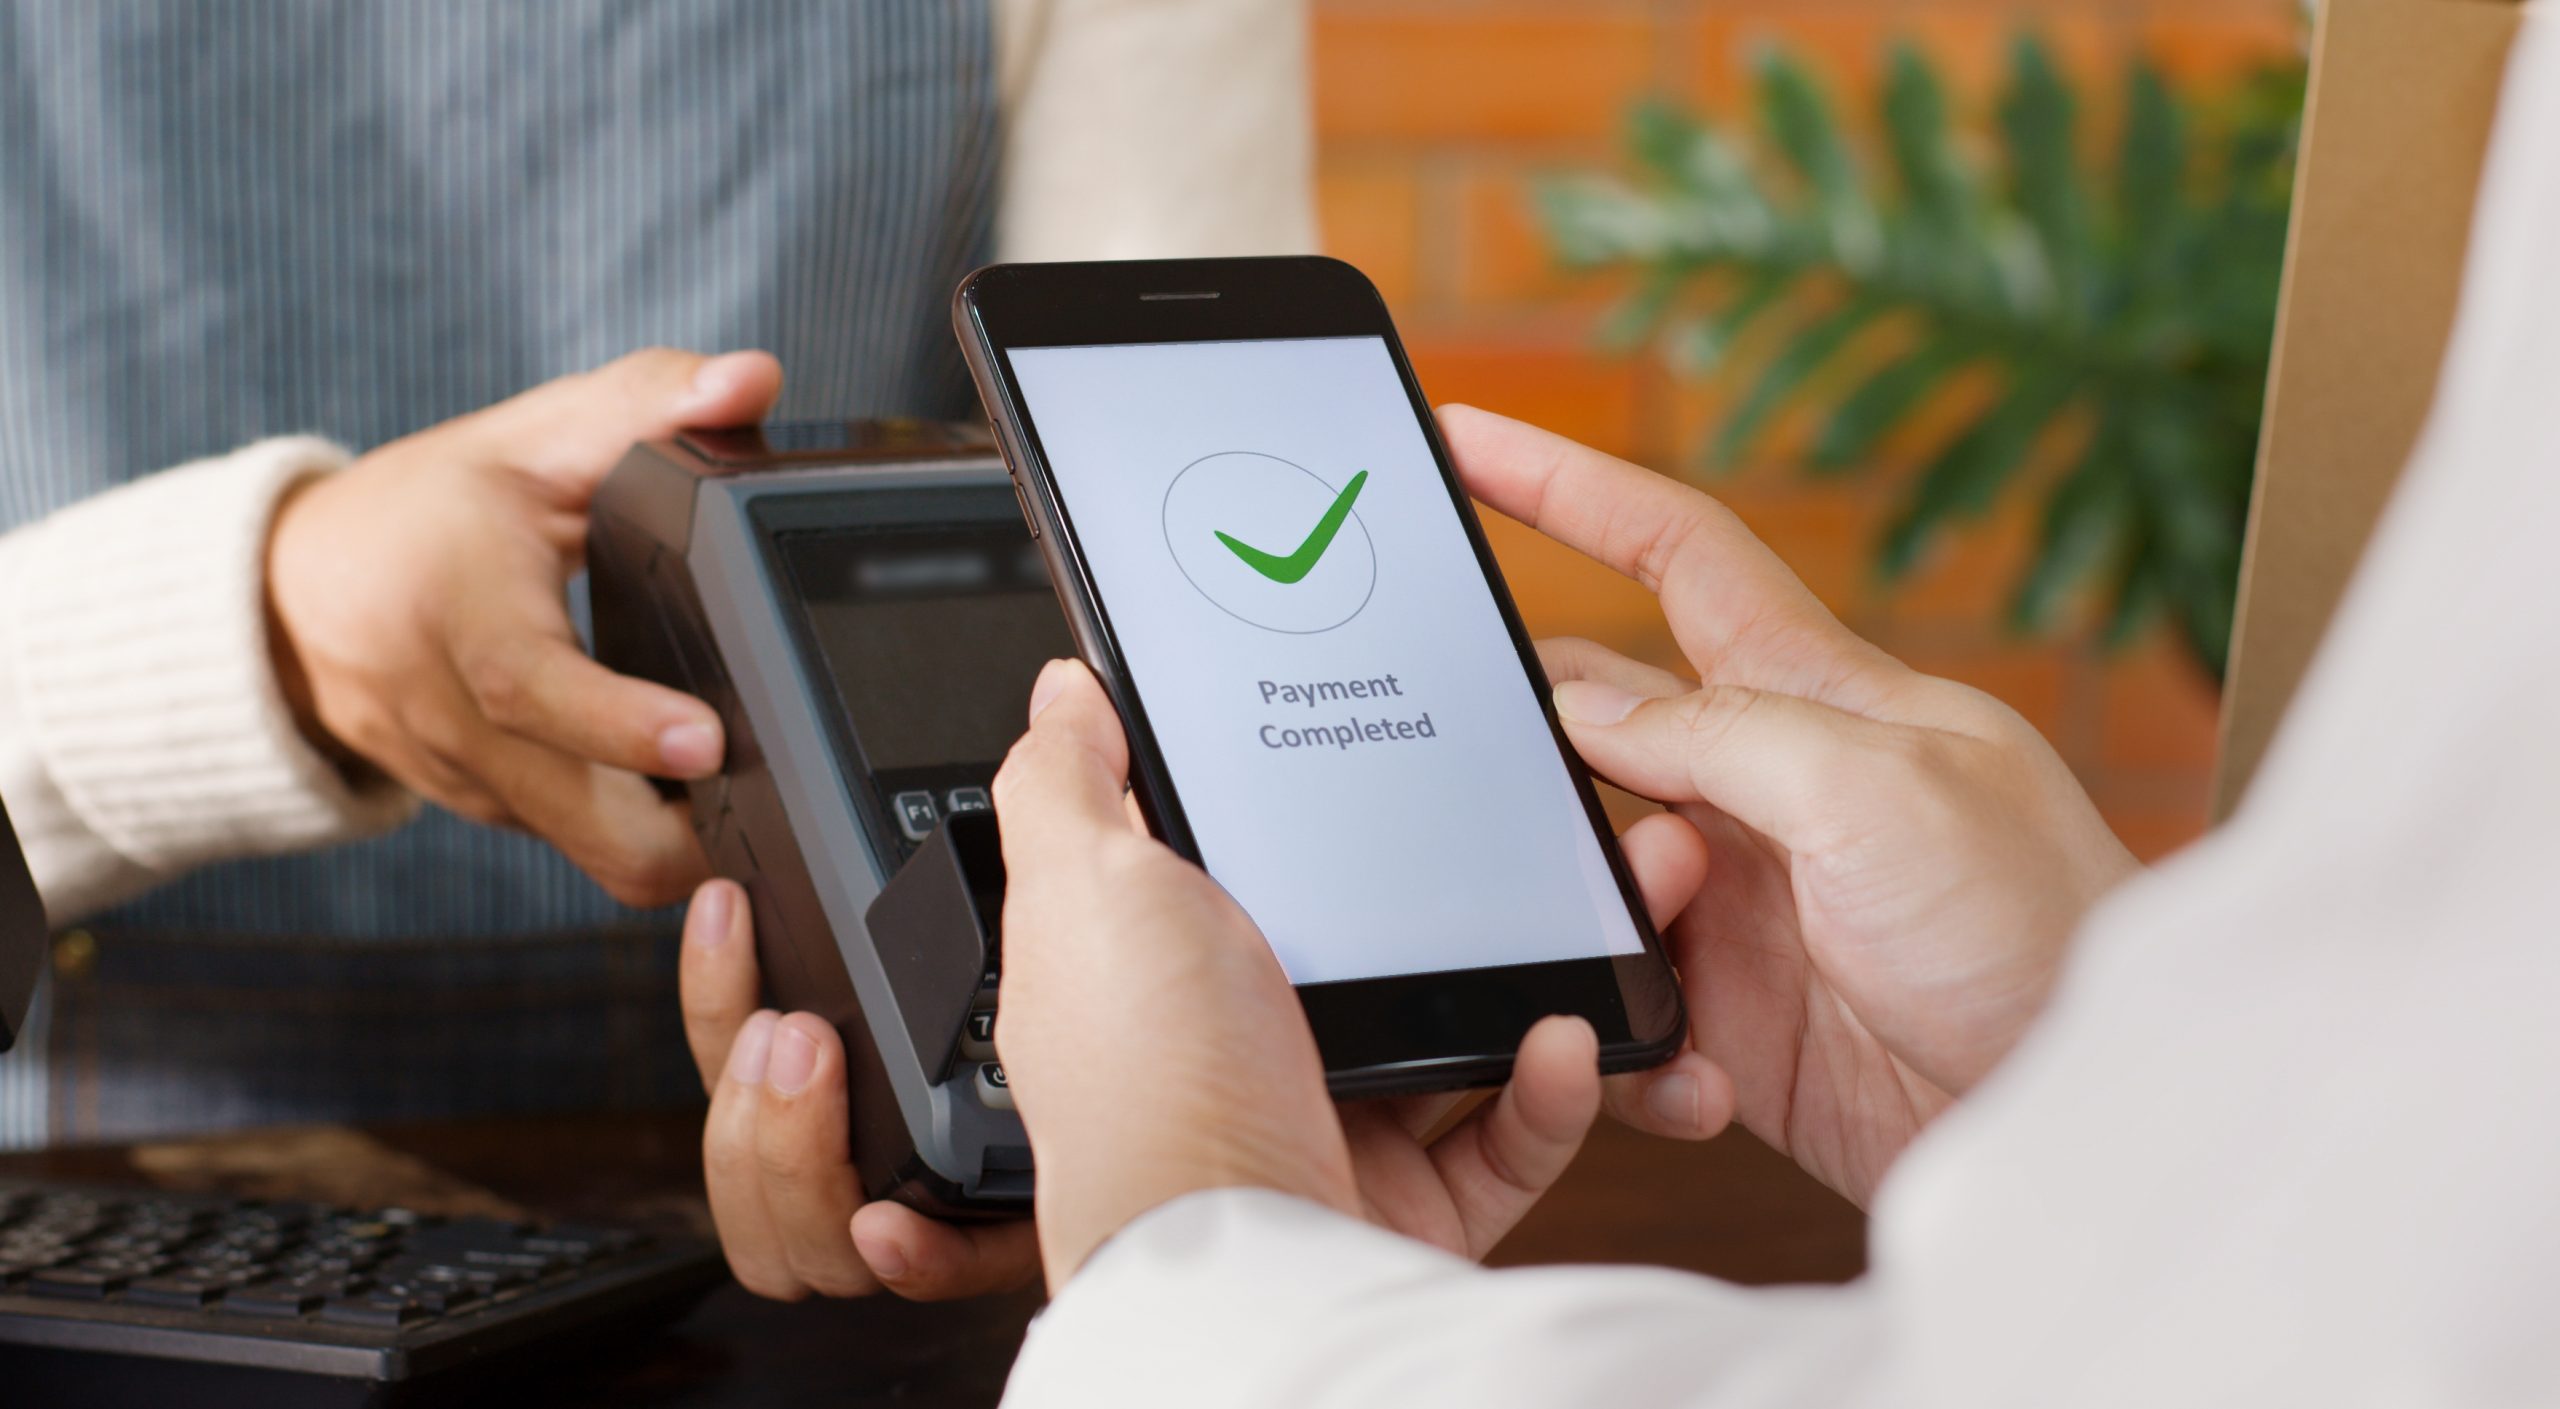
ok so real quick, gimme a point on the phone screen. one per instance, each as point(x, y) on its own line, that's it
point(1357, 745)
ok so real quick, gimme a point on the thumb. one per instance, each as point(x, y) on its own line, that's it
point(661, 390)
point(568, 432)
point(1061, 784)
point(1769, 761)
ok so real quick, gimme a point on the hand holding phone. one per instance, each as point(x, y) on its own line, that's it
point(1157, 1049)
point(1330, 702)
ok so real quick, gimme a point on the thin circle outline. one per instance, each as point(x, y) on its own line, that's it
point(1164, 524)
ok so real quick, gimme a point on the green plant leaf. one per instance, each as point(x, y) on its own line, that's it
point(1703, 342)
point(2038, 121)
point(1812, 347)
point(1888, 396)
point(1642, 315)
point(1969, 474)
point(1798, 117)
point(2140, 595)
point(2092, 515)
point(1598, 220)
point(2141, 286)
point(1940, 191)
point(2151, 164)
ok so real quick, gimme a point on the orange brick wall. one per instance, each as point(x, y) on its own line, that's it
point(1434, 116)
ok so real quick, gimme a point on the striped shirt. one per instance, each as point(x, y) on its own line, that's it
point(224, 223)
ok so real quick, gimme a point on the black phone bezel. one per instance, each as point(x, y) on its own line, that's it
point(1403, 1033)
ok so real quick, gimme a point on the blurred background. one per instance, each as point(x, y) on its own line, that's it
point(1987, 283)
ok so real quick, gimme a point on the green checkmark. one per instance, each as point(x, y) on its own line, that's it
point(1298, 564)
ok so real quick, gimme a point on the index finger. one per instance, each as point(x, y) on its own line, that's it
point(516, 655)
point(1624, 516)
point(1738, 613)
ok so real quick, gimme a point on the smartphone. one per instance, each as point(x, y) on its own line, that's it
point(1265, 556)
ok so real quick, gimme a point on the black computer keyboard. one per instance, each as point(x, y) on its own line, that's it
point(179, 1299)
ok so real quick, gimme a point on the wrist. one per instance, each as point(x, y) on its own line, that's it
point(1075, 1223)
point(285, 662)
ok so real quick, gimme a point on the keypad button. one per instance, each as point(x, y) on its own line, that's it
point(916, 814)
point(76, 1283)
point(993, 1091)
point(272, 1299)
point(961, 800)
point(978, 1037)
point(385, 1312)
point(185, 1291)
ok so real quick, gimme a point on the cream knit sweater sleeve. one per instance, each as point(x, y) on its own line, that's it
point(141, 728)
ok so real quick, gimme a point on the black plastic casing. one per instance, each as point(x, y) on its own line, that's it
point(1412, 1033)
point(688, 592)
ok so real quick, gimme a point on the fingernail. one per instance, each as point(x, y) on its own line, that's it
point(689, 750)
point(1590, 702)
point(748, 1052)
point(795, 1060)
point(1053, 678)
point(713, 380)
point(887, 1260)
point(1674, 1101)
point(706, 925)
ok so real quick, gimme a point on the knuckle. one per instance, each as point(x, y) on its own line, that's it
point(1006, 786)
point(766, 1282)
point(1709, 714)
point(639, 890)
point(786, 1166)
point(643, 874)
point(427, 718)
point(784, 1158)
point(1565, 656)
point(1913, 759)
point(728, 1147)
point(482, 809)
point(1124, 858)
point(1661, 545)
point(501, 685)
point(451, 788)
point(834, 1281)
point(362, 725)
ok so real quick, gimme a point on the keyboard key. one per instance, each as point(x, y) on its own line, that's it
point(444, 1299)
point(271, 1299)
point(76, 1283)
point(917, 816)
point(978, 1036)
point(593, 1241)
point(381, 1311)
point(536, 1263)
point(186, 1292)
point(994, 1092)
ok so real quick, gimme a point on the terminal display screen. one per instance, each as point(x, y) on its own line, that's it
point(932, 640)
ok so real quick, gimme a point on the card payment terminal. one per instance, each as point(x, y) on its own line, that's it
point(863, 605)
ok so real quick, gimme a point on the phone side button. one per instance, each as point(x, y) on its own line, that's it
point(993, 1093)
point(1025, 505)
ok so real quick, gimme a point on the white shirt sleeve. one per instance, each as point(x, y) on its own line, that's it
point(2285, 1134)
point(1150, 129)
point(141, 729)
point(1248, 1299)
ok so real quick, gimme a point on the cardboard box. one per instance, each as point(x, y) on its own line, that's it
point(2402, 96)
